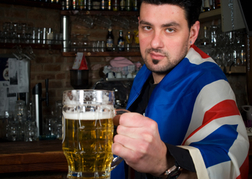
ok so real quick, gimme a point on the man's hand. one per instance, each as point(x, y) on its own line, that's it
point(138, 143)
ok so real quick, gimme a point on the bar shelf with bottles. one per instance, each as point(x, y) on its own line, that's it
point(22, 34)
point(33, 46)
point(99, 12)
point(101, 5)
point(211, 9)
point(227, 49)
point(127, 45)
point(104, 54)
point(50, 4)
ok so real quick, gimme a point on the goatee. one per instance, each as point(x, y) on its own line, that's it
point(155, 61)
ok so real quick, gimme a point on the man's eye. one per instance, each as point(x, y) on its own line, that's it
point(169, 30)
point(148, 28)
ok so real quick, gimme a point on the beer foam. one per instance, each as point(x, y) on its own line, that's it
point(88, 115)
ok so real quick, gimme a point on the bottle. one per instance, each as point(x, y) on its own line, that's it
point(68, 4)
point(212, 4)
point(89, 4)
point(205, 41)
point(115, 5)
point(96, 4)
point(206, 6)
point(122, 5)
point(84, 4)
point(81, 4)
point(128, 5)
point(120, 43)
point(104, 4)
point(128, 41)
point(39, 35)
point(217, 4)
point(135, 5)
point(63, 4)
point(110, 40)
point(109, 5)
point(74, 4)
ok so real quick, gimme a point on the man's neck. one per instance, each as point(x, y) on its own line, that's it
point(157, 77)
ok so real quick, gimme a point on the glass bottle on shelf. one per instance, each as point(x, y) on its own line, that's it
point(63, 4)
point(122, 5)
point(217, 4)
point(80, 4)
point(96, 4)
point(212, 4)
point(135, 5)
point(104, 4)
point(128, 5)
point(110, 40)
point(120, 43)
point(68, 4)
point(115, 5)
point(214, 31)
point(85, 43)
point(206, 6)
point(109, 5)
point(74, 42)
point(128, 41)
point(89, 4)
point(74, 3)
point(205, 40)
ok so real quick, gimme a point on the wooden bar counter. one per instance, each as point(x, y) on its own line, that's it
point(42, 156)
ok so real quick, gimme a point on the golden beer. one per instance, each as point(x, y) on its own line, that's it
point(87, 145)
point(87, 129)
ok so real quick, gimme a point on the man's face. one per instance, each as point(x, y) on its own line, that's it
point(163, 36)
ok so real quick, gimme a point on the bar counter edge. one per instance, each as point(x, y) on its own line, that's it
point(44, 155)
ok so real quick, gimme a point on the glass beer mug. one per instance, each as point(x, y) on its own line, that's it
point(88, 133)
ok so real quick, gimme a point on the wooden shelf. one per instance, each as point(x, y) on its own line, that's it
point(210, 15)
point(33, 3)
point(33, 46)
point(235, 69)
point(104, 54)
point(102, 13)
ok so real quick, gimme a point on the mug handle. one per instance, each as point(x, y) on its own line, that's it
point(116, 161)
point(246, 108)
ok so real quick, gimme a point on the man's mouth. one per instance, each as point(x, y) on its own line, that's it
point(157, 56)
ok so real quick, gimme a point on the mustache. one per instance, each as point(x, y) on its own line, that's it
point(157, 50)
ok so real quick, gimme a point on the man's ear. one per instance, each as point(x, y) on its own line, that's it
point(194, 32)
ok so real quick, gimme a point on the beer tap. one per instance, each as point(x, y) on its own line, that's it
point(37, 101)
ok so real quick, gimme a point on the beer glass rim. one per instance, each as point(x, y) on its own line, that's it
point(88, 90)
point(80, 99)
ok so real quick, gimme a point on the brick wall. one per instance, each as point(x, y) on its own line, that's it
point(50, 63)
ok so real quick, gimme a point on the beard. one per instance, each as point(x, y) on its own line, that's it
point(155, 66)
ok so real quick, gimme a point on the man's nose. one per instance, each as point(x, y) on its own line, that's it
point(157, 40)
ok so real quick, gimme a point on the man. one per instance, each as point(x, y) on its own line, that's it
point(184, 117)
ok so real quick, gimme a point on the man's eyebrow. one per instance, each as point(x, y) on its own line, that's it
point(163, 25)
point(171, 24)
point(144, 22)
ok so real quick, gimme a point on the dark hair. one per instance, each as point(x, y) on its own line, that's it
point(192, 8)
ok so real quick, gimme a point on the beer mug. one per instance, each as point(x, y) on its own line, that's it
point(88, 133)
